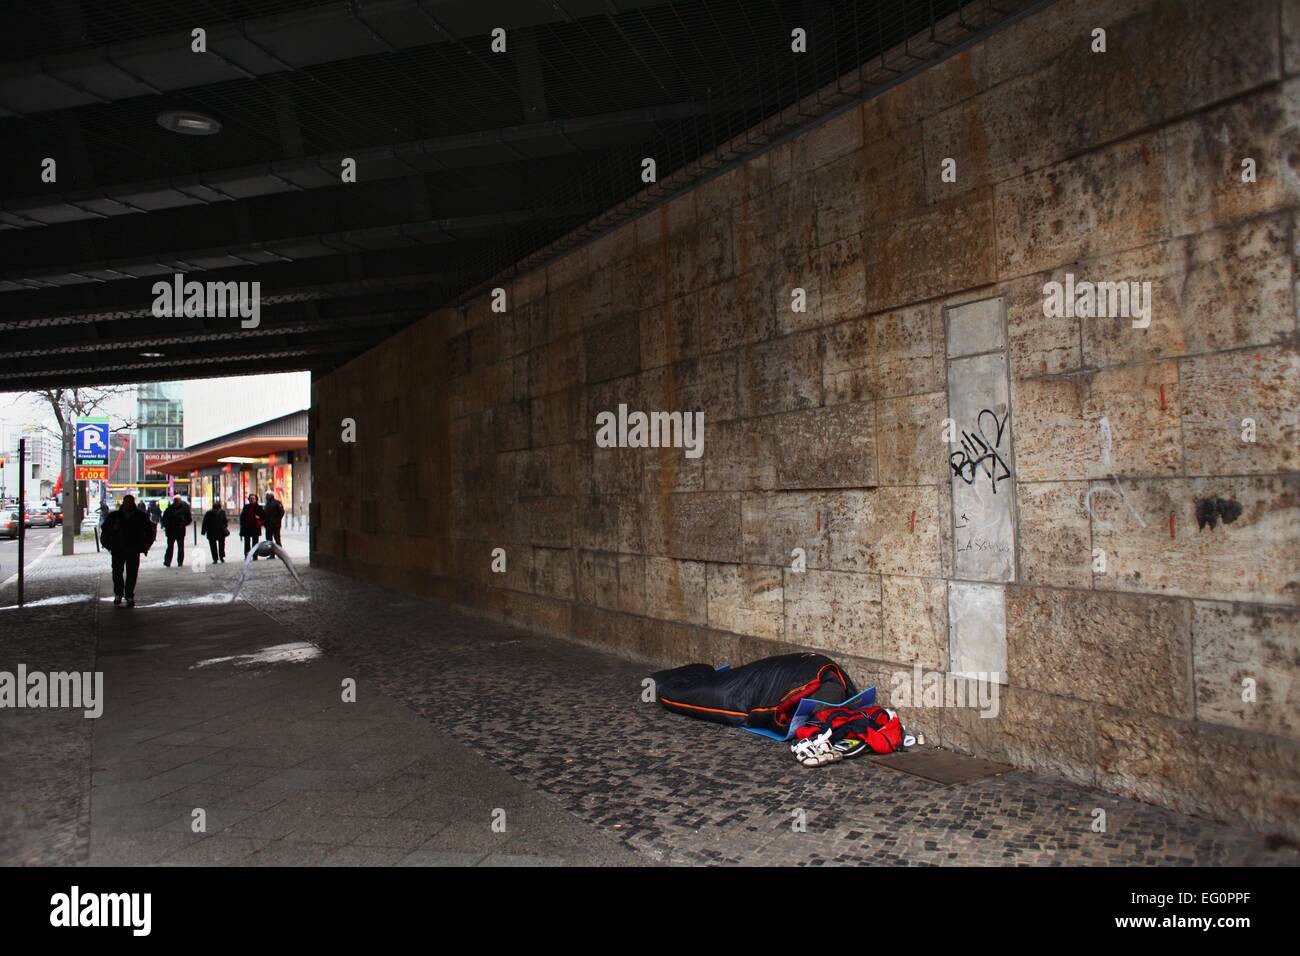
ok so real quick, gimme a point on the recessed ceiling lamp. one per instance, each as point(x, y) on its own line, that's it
point(188, 122)
point(151, 355)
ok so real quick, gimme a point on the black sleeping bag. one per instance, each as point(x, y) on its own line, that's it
point(763, 694)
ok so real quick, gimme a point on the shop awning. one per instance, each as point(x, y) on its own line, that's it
point(241, 448)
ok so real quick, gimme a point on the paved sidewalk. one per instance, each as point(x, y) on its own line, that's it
point(457, 718)
point(281, 769)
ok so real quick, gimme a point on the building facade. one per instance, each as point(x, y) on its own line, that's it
point(270, 456)
point(43, 455)
point(159, 433)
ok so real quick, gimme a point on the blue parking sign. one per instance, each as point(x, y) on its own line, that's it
point(92, 441)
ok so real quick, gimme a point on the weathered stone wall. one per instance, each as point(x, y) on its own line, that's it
point(1126, 561)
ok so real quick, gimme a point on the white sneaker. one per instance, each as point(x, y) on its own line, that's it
point(816, 751)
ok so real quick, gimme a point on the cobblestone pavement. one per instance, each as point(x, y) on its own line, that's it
point(457, 717)
point(570, 721)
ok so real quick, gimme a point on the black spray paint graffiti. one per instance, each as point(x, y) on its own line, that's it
point(981, 451)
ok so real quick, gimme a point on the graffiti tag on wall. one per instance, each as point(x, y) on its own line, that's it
point(981, 451)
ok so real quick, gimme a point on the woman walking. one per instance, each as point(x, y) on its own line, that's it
point(250, 524)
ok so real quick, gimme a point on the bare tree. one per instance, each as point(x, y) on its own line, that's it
point(82, 402)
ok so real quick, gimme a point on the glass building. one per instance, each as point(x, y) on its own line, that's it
point(160, 416)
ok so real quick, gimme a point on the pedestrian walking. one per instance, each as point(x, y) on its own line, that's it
point(251, 519)
point(216, 528)
point(274, 512)
point(175, 520)
point(128, 533)
point(155, 512)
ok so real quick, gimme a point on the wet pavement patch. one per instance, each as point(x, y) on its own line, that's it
point(295, 652)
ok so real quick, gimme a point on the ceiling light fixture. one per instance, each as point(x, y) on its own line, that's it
point(188, 122)
point(151, 354)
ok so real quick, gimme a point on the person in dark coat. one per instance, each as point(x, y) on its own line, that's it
point(155, 511)
point(128, 533)
point(274, 512)
point(216, 529)
point(175, 520)
point(250, 524)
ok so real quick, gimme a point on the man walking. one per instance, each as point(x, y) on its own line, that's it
point(216, 530)
point(274, 512)
point(155, 512)
point(128, 533)
point(250, 524)
point(175, 520)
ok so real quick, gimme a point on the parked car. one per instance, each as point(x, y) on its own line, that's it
point(9, 523)
point(40, 516)
point(56, 508)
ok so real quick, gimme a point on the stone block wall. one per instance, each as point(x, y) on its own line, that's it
point(923, 467)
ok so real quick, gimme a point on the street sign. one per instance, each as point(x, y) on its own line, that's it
point(92, 473)
point(92, 441)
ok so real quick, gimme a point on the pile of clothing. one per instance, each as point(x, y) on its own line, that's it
point(835, 733)
point(805, 699)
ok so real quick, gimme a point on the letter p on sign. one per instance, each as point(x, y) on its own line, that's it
point(92, 438)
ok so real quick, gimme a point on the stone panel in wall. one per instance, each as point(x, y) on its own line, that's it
point(774, 524)
point(900, 530)
point(895, 353)
point(1125, 650)
point(1098, 203)
point(836, 611)
point(746, 598)
point(1241, 412)
point(977, 630)
point(739, 311)
point(940, 251)
point(1121, 421)
point(1265, 128)
point(1044, 733)
point(1227, 288)
point(1241, 549)
point(702, 525)
point(676, 590)
point(1054, 533)
point(741, 455)
point(983, 468)
point(831, 447)
point(1245, 664)
point(781, 376)
point(910, 449)
point(915, 621)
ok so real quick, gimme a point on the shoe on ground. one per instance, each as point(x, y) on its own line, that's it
point(117, 600)
point(130, 602)
point(816, 751)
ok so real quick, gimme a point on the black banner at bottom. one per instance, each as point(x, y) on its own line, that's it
point(213, 906)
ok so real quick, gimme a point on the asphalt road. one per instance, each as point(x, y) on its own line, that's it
point(38, 539)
